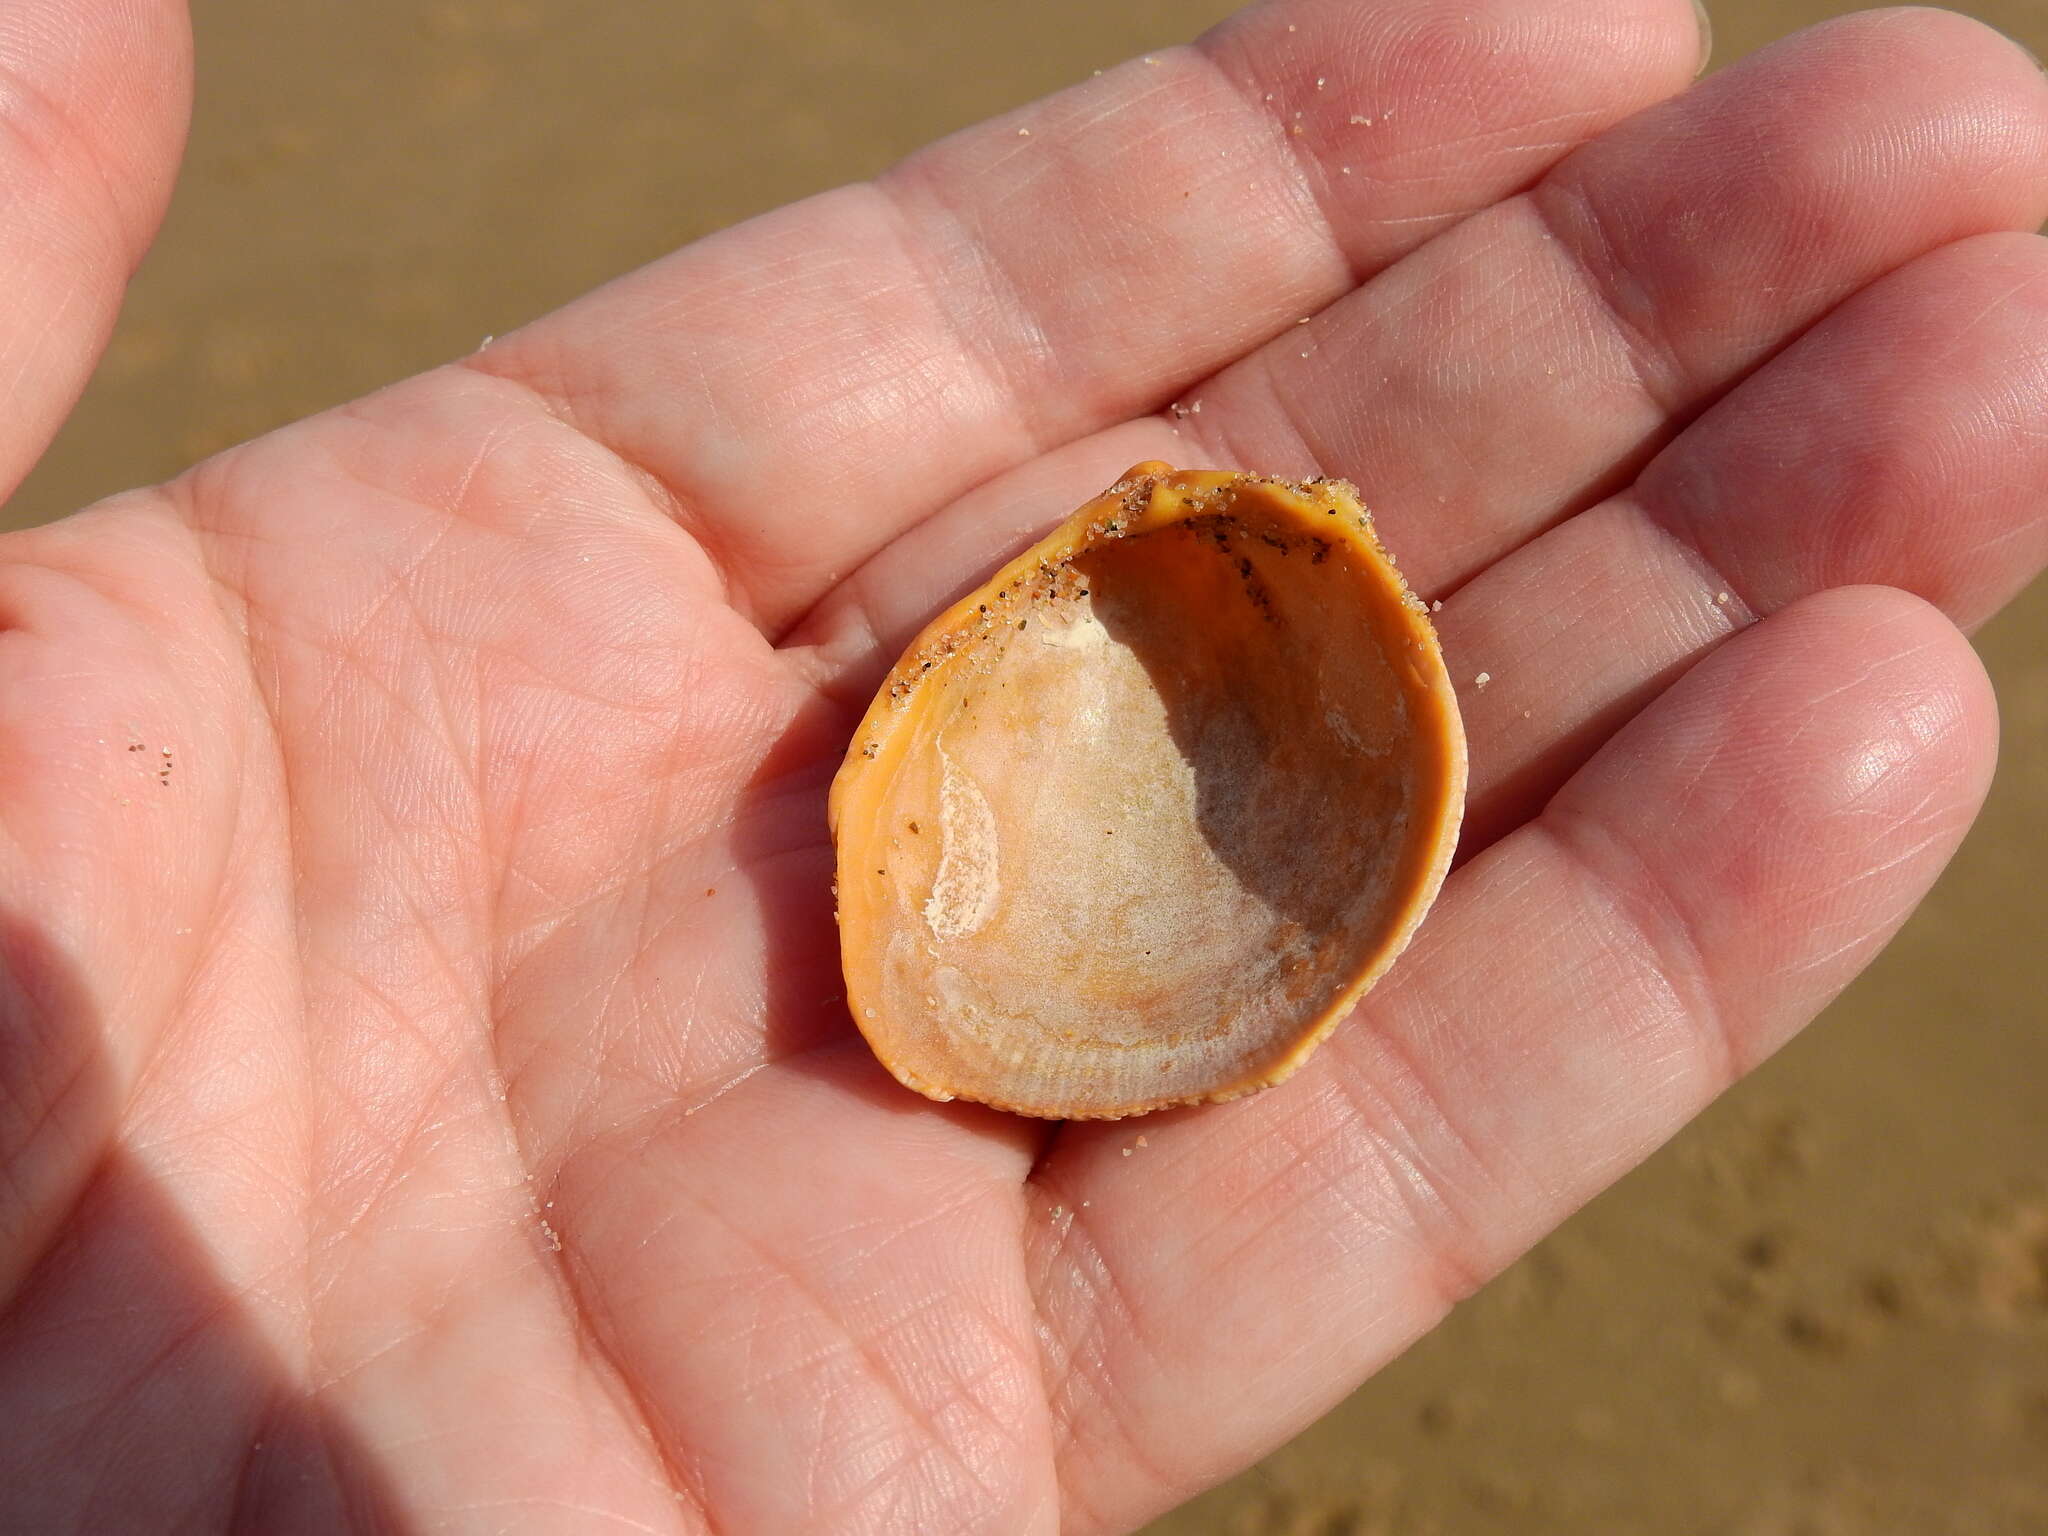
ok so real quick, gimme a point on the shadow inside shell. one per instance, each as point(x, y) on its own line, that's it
point(1248, 691)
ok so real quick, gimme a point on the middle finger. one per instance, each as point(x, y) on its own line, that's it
point(1528, 362)
point(1888, 446)
point(1503, 377)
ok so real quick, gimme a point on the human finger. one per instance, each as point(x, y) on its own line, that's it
point(1487, 387)
point(1895, 443)
point(804, 387)
point(93, 103)
point(1530, 361)
point(1212, 1280)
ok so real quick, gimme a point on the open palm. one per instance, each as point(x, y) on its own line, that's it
point(429, 1100)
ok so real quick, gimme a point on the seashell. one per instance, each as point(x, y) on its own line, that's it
point(1137, 821)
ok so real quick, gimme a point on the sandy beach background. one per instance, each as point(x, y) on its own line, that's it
point(1822, 1311)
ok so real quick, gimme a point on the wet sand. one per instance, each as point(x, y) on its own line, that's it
point(1822, 1310)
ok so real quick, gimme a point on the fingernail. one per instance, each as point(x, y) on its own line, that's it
point(1699, 9)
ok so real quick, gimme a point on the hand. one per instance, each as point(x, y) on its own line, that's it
point(429, 1098)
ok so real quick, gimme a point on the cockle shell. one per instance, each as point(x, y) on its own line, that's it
point(1137, 821)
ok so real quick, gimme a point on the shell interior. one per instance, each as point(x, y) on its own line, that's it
point(1137, 820)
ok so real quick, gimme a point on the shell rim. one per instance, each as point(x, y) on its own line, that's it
point(1150, 496)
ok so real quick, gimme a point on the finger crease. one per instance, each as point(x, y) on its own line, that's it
point(991, 365)
point(1600, 270)
point(664, 496)
point(1642, 900)
point(1301, 163)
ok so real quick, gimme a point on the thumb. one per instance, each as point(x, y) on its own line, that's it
point(94, 96)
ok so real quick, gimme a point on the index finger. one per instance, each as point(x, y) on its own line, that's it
point(805, 386)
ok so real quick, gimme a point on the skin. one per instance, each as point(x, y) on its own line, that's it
point(433, 1107)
